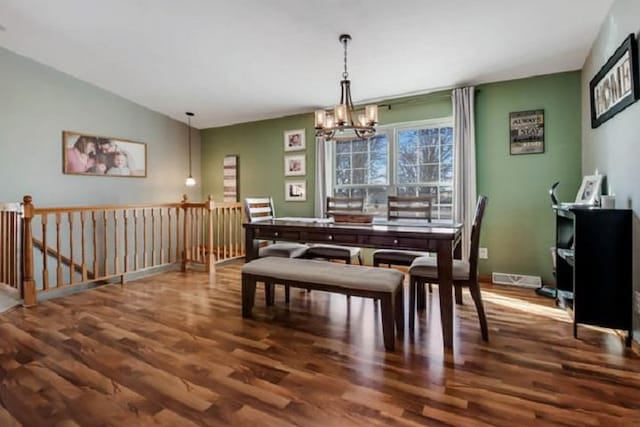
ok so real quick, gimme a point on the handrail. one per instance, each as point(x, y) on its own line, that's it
point(66, 260)
point(113, 241)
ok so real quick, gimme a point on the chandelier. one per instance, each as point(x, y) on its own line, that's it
point(341, 124)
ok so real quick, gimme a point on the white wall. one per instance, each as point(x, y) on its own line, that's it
point(37, 103)
point(614, 147)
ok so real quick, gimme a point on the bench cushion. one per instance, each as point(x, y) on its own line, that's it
point(345, 276)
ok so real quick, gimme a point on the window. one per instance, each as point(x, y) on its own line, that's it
point(406, 160)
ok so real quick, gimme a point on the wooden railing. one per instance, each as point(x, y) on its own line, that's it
point(79, 245)
point(10, 231)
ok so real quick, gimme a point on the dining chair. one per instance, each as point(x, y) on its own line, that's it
point(335, 252)
point(465, 273)
point(399, 208)
point(262, 209)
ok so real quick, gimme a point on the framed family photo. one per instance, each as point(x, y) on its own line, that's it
point(615, 87)
point(84, 154)
point(295, 191)
point(589, 191)
point(526, 132)
point(295, 165)
point(294, 140)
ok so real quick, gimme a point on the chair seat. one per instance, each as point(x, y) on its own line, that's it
point(427, 267)
point(390, 256)
point(331, 251)
point(283, 250)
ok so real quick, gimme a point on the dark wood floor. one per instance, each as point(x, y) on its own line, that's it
point(173, 350)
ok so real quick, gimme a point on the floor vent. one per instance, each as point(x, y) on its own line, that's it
point(516, 280)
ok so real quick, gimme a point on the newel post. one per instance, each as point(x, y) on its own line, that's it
point(28, 284)
point(211, 267)
point(185, 233)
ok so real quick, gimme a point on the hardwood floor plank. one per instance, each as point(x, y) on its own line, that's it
point(173, 350)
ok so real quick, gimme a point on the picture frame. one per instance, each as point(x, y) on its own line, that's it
point(589, 192)
point(95, 155)
point(230, 178)
point(294, 140)
point(616, 85)
point(295, 191)
point(526, 132)
point(295, 165)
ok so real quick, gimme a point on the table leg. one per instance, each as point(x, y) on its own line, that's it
point(457, 254)
point(445, 279)
point(250, 245)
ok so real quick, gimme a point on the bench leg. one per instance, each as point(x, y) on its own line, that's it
point(421, 297)
point(269, 293)
point(458, 293)
point(388, 328)
point(248, 295)
point(287, 294)
point(399, 311)
point(411, 310)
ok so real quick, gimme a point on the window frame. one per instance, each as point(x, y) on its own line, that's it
point(392, 130)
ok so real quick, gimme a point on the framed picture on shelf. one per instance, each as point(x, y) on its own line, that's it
point(615, 87)
point(94, 155)
point(294, 140)
point(295, 191)
point(589, 191)
point(295, 165)
point(526, 132)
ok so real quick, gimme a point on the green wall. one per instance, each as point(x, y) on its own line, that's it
point(260, 149)
point(518, 228)
point(519, 225)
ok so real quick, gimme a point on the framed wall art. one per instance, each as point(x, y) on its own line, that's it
point(615, 86)
point(295, 165)
point(295, 191)
point(294, 140)
point(84, 154)
point(526, 132)
point(230, 178)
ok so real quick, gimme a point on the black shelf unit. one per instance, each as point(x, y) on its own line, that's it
point(594, 266)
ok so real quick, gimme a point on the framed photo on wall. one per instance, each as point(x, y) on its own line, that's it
point(526, 132)
point(294, 140)
point(295, 165)
point(295, 191)
point(230, 178)
point(84, 154)
point(615, 86)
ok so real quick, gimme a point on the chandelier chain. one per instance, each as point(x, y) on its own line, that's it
point(345, 74)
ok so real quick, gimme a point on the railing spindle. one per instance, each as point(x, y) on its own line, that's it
point(72, 271)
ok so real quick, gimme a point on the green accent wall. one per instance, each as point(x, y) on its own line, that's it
point(518, 228)
point(260, 149)
point(519, 225)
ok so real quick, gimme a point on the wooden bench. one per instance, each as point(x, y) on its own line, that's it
point(351, 280)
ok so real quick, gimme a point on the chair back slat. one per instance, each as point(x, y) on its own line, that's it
point(259, 209)
point(345, 204)
point(475, 236)
point(409, 207)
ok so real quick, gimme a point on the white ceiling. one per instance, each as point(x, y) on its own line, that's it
point(243, 60)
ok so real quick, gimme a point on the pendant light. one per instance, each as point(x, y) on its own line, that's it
point(190, 182)
point(344, 123)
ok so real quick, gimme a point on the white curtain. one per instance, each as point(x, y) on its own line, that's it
point(464, 192)
point(323, 176)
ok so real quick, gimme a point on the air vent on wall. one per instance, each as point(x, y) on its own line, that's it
point(516, 280)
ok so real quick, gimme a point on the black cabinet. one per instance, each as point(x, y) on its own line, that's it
point(594, 263)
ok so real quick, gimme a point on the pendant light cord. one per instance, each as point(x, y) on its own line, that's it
point(189, 120)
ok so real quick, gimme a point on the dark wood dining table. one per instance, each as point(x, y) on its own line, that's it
point(403, 235)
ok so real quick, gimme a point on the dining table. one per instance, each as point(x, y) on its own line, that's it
point(439, 238)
